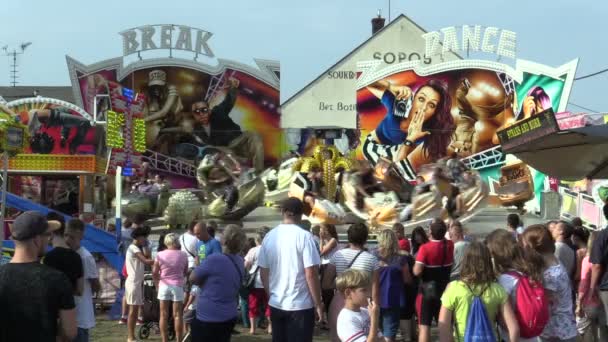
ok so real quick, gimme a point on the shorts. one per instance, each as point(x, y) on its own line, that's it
point(189, 316)
point(427, 310)
point(170, 293)
point(389, 321)
point(134, 293)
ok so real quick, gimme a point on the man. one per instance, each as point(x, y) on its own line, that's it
point(136, 262)
point(514, 225)
point(404, 243)
point(433, 265)
point(599, 260)
point(59, 117)
point(163, 104)
point(562, 233)
point(289, 268)
point(188, 243)
point(63, 258)
point(213, 126)
point(206, 244)
point(36, 300)
point(460, 245)
point(85, 309)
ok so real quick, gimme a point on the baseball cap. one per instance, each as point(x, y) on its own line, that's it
point(31, 224)
point(293, 206)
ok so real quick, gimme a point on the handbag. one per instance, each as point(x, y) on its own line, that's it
point(431, 289)
point(249, 279)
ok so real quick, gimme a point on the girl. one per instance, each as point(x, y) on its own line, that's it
point(590, 310)
point(419, 238)
point(561, 326)
point(509, 256)
point(394, 273)
point(417, 128)
point(476, 279)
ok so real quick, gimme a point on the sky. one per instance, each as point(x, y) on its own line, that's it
point(307, 37)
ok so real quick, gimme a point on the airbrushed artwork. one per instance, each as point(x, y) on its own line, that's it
point(188, 113)
point(57, 128)
point(415, 120)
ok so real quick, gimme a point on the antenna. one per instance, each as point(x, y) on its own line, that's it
point(13, 65)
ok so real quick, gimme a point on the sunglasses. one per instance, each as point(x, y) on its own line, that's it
point(201, 110)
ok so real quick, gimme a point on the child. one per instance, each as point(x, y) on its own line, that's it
point(190, 308)
point(356, 323)
point(476, 280)
point(562, 324)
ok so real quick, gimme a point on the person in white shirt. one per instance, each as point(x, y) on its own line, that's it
point(289, 267)
point(355, 322)
point(136, 262)
point(257, 296)
point(85, 310)
point(188, 242)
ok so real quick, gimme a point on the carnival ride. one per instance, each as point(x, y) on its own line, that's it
point(331, 186)
point(227, 192)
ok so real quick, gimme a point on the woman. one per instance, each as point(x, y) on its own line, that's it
point(536, 101)
point(394, 273)
point(419, 238)
point(169, 272)
point(219, 278)
point(329, 246)
point(476, 280)
point(257, 295)
point(354, 256)
point(561, 325)
point(590, 310)
point(417, 128)
point(508, 257)
point(580, 238)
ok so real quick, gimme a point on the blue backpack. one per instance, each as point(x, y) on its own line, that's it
point(479, 328)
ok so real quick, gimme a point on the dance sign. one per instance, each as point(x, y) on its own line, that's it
point(527, 130)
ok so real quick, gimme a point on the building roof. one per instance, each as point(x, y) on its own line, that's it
point(64, 93)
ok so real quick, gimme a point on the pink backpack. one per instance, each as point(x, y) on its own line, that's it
point(531, 306)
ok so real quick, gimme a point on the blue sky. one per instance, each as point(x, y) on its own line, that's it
point(305, 36)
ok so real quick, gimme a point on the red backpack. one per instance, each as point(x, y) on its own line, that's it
point(531, 306)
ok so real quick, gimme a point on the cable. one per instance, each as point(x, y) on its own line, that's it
point(581, 107)
point(591, 75)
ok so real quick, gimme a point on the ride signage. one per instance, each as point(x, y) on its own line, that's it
point(178, 37)
point(527, 130)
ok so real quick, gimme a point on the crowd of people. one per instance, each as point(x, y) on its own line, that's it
point(543, 282)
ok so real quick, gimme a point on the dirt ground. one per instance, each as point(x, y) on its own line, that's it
point(111, 331)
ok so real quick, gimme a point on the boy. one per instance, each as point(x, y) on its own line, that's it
point(356, 323)
point(190, 308)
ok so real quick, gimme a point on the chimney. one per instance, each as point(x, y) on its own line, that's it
point(377, 23)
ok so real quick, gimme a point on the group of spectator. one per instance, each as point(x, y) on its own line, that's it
point(48, 296)
point(544, 282)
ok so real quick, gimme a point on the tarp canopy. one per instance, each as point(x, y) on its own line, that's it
point(568, 155)
point(95, 239)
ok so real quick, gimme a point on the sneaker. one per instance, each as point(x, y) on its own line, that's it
point(140, 322)
point(122, 320)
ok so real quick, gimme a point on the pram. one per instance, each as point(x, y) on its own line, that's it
point(151, 312)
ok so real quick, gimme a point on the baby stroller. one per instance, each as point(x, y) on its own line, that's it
point(151, 312)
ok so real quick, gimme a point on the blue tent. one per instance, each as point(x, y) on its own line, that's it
point(95, 239)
